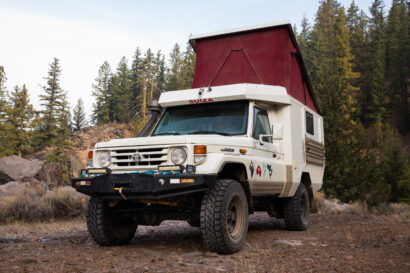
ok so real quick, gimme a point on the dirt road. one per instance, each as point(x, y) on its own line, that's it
point(333, 243)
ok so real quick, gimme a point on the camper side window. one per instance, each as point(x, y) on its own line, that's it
point(309, 123)
point(261, 124)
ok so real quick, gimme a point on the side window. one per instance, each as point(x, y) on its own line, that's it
point(309, 123)
point(261, 124)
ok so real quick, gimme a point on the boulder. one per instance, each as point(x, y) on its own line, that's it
point(51, 174)
point(10, 188)
point(14, 168)
point(4, 178)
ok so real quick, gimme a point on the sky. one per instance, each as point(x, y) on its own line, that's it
point(83, 34)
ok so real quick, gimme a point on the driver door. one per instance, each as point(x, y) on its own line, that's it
point(269, 171)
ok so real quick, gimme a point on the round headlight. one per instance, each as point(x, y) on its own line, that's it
point(104, 159)
point(178, 156)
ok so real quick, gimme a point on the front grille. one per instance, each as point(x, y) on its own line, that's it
point(150, 156)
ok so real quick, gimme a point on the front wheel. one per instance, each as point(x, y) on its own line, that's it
point(224, 217)
point(108, 226)
point(296, 210)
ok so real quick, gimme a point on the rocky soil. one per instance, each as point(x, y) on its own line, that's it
point(333, 243)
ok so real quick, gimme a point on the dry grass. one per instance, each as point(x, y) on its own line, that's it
point(33, 203)
point(325, 206)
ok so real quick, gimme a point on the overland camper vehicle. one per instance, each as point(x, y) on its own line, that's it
point(247, 137)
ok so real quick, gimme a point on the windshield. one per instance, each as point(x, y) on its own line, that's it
point(224, 118)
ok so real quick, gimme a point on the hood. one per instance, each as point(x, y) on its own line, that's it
point(172, 140)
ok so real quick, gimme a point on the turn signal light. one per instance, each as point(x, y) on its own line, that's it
point(200, 149)
point(242, 151)
point(90, 154)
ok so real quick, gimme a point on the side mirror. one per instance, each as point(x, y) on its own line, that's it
point(262, 139)
point(277, 131)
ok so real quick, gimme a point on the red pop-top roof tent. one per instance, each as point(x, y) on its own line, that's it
point(263, 54)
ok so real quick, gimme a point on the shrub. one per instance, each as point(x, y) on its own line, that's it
point(404, 185)
point(33, 203)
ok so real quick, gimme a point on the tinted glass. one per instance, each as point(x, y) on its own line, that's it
point(261, 124)
point(226, 118)
point(309, 123)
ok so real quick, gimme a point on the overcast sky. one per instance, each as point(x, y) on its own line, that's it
point(85, 33)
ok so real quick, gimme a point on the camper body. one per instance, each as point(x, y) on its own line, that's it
point(210, 155)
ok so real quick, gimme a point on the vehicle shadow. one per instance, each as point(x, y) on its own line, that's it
point(262, 221)
point(174, 234)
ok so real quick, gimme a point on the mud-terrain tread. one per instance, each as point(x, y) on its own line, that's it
point(291, 210)
point(98, 227)
point(211, 219)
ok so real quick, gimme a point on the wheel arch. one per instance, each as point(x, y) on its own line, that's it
point(238, 172)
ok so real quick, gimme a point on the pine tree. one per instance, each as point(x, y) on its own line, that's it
point(188, 67)
point(322, 46)
point(102, 93)
point(6, 147)
point(3, 95)
point(304, 42)
point(62, 144)
point(135, 72)
point(121, 93)
point(351, 168)
point(174, 79)
point(393, 165)
point(150, 71)
point(357, 23)
point(397, 64)
point(79, 120)
point(20, 118)
point(160, 79)
point(148, 81)
point(377, 89)
point(404, 185)
point(52, 102)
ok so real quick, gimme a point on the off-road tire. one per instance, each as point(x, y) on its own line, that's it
point(296, 210)
point(224, 217)
point(102, 226)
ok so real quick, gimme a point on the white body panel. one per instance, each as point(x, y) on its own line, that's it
point(272, 168)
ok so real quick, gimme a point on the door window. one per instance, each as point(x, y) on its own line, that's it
point(261, 124)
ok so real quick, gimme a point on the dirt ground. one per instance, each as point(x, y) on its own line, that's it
point(333, 243)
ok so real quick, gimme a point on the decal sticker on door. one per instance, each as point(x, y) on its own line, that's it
point(270, 170)
point(259, 171)
point(251, 168)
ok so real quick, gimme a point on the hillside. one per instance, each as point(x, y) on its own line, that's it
point(85, 139)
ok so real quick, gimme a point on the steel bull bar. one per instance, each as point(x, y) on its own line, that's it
point(138, 186)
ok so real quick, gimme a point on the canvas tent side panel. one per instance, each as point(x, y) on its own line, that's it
point(264, 56)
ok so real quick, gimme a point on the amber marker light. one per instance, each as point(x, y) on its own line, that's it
point(90, 159)
point(243, 151)
point(199, 153)
point(200, 149)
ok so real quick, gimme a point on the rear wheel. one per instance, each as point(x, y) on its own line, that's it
point(107, 226)
point(224, 217)
point(296, 210)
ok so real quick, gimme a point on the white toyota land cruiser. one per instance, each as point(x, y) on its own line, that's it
point(210, 156)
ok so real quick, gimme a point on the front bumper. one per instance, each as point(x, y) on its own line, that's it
point(138, 186)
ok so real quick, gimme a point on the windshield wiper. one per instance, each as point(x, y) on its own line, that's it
point(208, 133)
point(167, 133)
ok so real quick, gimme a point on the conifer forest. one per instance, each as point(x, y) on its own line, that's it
point(359, 65)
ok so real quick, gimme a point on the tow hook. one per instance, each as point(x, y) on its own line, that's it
point(120, 192)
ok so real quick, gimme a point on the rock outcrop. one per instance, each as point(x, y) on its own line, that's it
point(14, 168)
point(51, 174)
